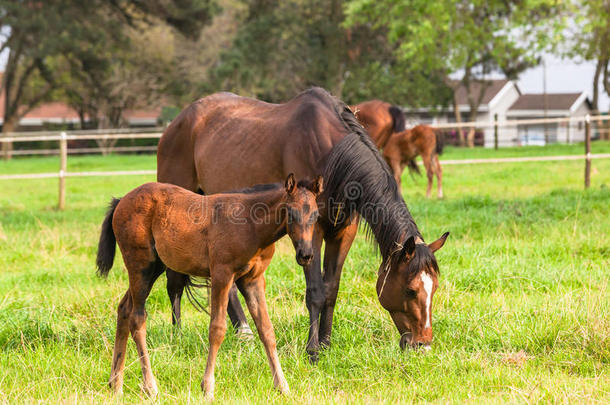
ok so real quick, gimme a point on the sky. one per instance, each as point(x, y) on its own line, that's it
point(563, 76)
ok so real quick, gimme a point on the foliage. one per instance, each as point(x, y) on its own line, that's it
point(89, 49)
point(588, 37)
point(469, 38)
point(284, 47)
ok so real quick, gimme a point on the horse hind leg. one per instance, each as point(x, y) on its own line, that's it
point(140, 284)
point(120, 344)
point(429, 173)
point(176, 283)
point(237, 316)
point(439, 176)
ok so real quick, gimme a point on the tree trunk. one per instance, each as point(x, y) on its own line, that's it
point(7, 147)
point(458, 119)
point(595, 101)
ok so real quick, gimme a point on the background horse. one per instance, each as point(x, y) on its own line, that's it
point(380, 119)
point(224, 141)
point(403, 147)
point(226, 237)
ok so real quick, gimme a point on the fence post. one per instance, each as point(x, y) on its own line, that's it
point(496, 131)
point(587, 151)
point(63, 163)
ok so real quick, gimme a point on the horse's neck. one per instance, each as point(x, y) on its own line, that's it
point(270, 219)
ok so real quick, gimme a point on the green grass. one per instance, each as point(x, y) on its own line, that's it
point(522, 313)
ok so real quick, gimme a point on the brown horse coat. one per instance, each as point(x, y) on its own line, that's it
point(380, 119)
point(224, 141)
point(225, 237)
point(402, 148)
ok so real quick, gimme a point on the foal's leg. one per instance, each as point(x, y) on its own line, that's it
point(254, 292)
point(120, 344)
point(334, 257)
point(222, 280)
point(439, 175)
point(429, 172)
point(140, 284)
point(176, 283)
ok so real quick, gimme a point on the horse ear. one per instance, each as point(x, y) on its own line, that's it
point(290, 184)
point(437, 244)
point(317, 186)
point(409, 247)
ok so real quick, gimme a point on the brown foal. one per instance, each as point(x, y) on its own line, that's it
point(226, 237)
point(403, 147)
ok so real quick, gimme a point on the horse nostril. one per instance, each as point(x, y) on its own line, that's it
point(423, 346)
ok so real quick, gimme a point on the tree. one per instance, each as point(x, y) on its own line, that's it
point(589, 38)
point(470, 39)
point(284, 47)
point(43, 38)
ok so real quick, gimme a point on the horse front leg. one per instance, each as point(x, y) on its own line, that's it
point(254, 293)
point(335, 253)
point(221, 283)
point(314, 294)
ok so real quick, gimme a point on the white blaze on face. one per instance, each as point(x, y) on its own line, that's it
point(427, 280)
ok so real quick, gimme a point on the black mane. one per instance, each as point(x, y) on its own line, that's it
point(357, 179)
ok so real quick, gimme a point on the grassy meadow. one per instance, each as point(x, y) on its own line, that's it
point(522, 313)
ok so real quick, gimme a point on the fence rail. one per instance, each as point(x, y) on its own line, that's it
point(108, 135)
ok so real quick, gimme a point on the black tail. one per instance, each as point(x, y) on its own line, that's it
point(440, 141)
point(398, 117)
point(106, 247)
point(194, 297)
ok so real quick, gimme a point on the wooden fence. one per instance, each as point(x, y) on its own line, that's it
point(63, 137)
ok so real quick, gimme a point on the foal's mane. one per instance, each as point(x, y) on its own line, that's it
point(261, 188)
point(359, 180)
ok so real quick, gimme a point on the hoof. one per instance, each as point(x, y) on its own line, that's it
point(244, 333)
point(284, 389)
point(150, 389)
point(116, 387)
point(314, 357)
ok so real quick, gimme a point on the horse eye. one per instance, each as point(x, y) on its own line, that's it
point(410, 293)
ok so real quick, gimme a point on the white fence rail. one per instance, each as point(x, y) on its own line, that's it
point(63, 137)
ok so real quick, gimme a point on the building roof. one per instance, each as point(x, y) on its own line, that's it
point(555, 101)
point(60, 112)
point(494, 88)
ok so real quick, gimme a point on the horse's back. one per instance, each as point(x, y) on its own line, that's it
point(374, 115)
point(224, 141)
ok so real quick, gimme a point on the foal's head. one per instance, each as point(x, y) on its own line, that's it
point(301, 215)
point(405, 287)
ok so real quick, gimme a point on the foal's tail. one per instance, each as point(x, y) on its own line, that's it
point(106, 247)
point(440, 141)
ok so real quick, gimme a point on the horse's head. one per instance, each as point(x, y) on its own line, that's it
point(302, 214)
point(405, 286)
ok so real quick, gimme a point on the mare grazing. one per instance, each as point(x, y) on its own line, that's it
point(226, 237)
point(403, 147)
point(380, 119)
point(223, 142)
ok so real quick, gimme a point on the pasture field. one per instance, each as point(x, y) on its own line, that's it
point(522, 313)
